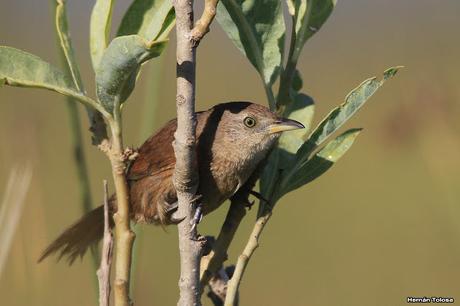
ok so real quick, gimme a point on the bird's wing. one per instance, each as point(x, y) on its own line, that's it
point(156, 155)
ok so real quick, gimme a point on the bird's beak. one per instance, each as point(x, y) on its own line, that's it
point(283, 124)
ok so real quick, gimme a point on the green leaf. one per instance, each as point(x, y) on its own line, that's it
point(22, 69)
point(297, 82)
point(269, 174)
point(283, 154)
point(120, 64)
point(101, 21)
point(301, 110)
point(353, 102)
point(320, 162)
point(257, 29)
point(310, 15)
point(150, 19)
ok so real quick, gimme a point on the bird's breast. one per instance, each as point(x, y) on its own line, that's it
point(221, 179)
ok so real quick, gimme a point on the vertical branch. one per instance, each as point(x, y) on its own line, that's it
point(123, 234)
point(185, 174)
point(103, 273)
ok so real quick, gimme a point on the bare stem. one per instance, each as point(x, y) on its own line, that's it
point(202, 25)
point(123, 234)
point(243, 259)
point(103, 273)
point(185, 175)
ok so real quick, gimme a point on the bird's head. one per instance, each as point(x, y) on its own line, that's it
point(249, 128)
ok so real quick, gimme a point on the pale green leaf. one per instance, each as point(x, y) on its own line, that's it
point(320, 162)
point(283, 154)
point(257, 29)
point(22, 69)
point(101, 21)
point(353, 102)
point(71, 65)
point(301, 110)
point(120, 64)
point(150, 19)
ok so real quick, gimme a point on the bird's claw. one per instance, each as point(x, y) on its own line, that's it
point(248, 204)
point(176, 220)
point(196, 200)
point(196, 219)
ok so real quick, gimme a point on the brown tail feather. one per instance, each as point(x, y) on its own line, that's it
point(75, 241)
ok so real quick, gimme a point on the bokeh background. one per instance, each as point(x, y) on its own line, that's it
point(382, 225)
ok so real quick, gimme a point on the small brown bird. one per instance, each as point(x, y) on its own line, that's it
point(232, 140)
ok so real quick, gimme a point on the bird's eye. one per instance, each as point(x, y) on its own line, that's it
point(249, 122)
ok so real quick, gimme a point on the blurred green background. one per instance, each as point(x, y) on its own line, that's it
point(382, 225)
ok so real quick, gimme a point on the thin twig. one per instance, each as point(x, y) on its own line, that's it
point(202, 25)
point(243, 259)
point(103, 273)
point(211, 263)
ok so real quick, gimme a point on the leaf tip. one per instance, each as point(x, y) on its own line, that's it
point(390, 72)
point(352, 133)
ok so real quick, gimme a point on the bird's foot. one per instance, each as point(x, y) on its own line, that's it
point(259, 196)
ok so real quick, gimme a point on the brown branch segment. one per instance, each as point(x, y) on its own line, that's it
point(202, 25)
point(103, 273)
